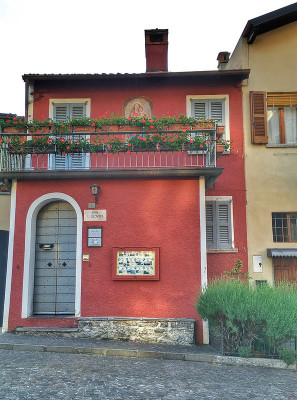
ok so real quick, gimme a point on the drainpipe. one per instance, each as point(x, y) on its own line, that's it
point(26, 98)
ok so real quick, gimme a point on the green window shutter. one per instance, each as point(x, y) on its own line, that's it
point(258, 112)
point(218, 225)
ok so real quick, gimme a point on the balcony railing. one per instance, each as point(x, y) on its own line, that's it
point(107, 151)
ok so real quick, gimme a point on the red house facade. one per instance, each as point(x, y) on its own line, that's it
point(163, 221)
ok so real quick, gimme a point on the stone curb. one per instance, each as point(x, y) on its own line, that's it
point(212, 359)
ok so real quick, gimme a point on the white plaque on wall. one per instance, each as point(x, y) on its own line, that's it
point(94, 215)
point(257, 263)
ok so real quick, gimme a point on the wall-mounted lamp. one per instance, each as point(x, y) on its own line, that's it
point(95, 190)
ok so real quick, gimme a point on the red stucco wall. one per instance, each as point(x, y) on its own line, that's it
point(157, 213)
point(146, 213)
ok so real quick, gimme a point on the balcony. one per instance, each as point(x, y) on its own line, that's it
point(109, 154)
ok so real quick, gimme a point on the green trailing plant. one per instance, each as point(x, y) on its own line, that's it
point(237, 272)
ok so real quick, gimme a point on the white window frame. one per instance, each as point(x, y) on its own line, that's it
point(224, 97)
point(86, 101)
point(52, 103)
point(229, 200)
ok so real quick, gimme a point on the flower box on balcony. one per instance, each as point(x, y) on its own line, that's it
point(12, 129)
point(220, 129)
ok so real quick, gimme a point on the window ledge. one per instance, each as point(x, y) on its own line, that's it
point(215, 251)
point(281, 145)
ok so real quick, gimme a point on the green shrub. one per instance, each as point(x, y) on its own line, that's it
point(248, 313)
point(288, 356)
point(244, 351)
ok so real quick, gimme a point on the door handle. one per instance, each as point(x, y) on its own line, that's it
point(64, 264)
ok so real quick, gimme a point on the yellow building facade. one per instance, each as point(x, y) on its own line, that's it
point(268, 47)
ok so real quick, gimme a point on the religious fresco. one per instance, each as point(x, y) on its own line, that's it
point(137, 107)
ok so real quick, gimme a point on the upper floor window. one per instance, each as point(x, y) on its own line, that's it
point(62, 111)
point(209, 108)
point(281, 117)
point(284, 227)
point(274, 118)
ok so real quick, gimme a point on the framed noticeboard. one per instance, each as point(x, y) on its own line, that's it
point(135, 263)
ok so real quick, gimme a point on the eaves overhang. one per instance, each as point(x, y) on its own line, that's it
point(210, 174)
point(269, 21)
point(238, 75)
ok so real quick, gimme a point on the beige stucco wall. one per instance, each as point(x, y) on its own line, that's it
point(271, 173)
point(4, 212)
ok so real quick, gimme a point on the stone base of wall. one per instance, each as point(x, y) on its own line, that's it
point(150, 330)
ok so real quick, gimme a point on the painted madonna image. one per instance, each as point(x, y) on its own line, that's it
point(137, 107)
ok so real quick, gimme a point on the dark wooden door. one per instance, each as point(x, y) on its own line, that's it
point(285, 269)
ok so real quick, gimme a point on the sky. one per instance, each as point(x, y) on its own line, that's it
point(96, 36)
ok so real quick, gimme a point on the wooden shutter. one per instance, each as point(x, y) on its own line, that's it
point(258, 117)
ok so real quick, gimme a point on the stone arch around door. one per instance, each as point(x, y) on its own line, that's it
point(29, 261)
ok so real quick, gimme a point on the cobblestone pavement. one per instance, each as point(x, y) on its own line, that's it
point(54, 376)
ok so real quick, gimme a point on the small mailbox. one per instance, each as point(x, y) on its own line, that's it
point(95, 237)
point(46, 246)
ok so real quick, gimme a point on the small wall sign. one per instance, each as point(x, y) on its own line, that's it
point(94, 215)
point(136, 263)
point(94, 237)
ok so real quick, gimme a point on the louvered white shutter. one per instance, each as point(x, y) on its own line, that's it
point(61, 113)
point(224, 238)
point(218, 225)
point(199, 109)
point(210, 227)
point(77, 110)
point(216, 110)
point(212, 109)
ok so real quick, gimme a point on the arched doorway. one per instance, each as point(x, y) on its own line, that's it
point(55, 260)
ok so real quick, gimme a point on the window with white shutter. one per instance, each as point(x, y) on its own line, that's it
point(61, 112)
point(209, 108)
point(218, 224)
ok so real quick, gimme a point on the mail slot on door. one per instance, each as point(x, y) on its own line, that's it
point(46, 246)
point(95, 237)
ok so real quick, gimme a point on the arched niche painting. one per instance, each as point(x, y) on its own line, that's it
point(137, 107)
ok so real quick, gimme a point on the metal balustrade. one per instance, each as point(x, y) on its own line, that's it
point(106, 151)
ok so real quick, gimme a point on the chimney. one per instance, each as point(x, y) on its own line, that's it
point(156, 50)
point(223, 58)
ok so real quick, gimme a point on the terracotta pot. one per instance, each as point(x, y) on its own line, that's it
point(220, 129)
point(84, 128)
